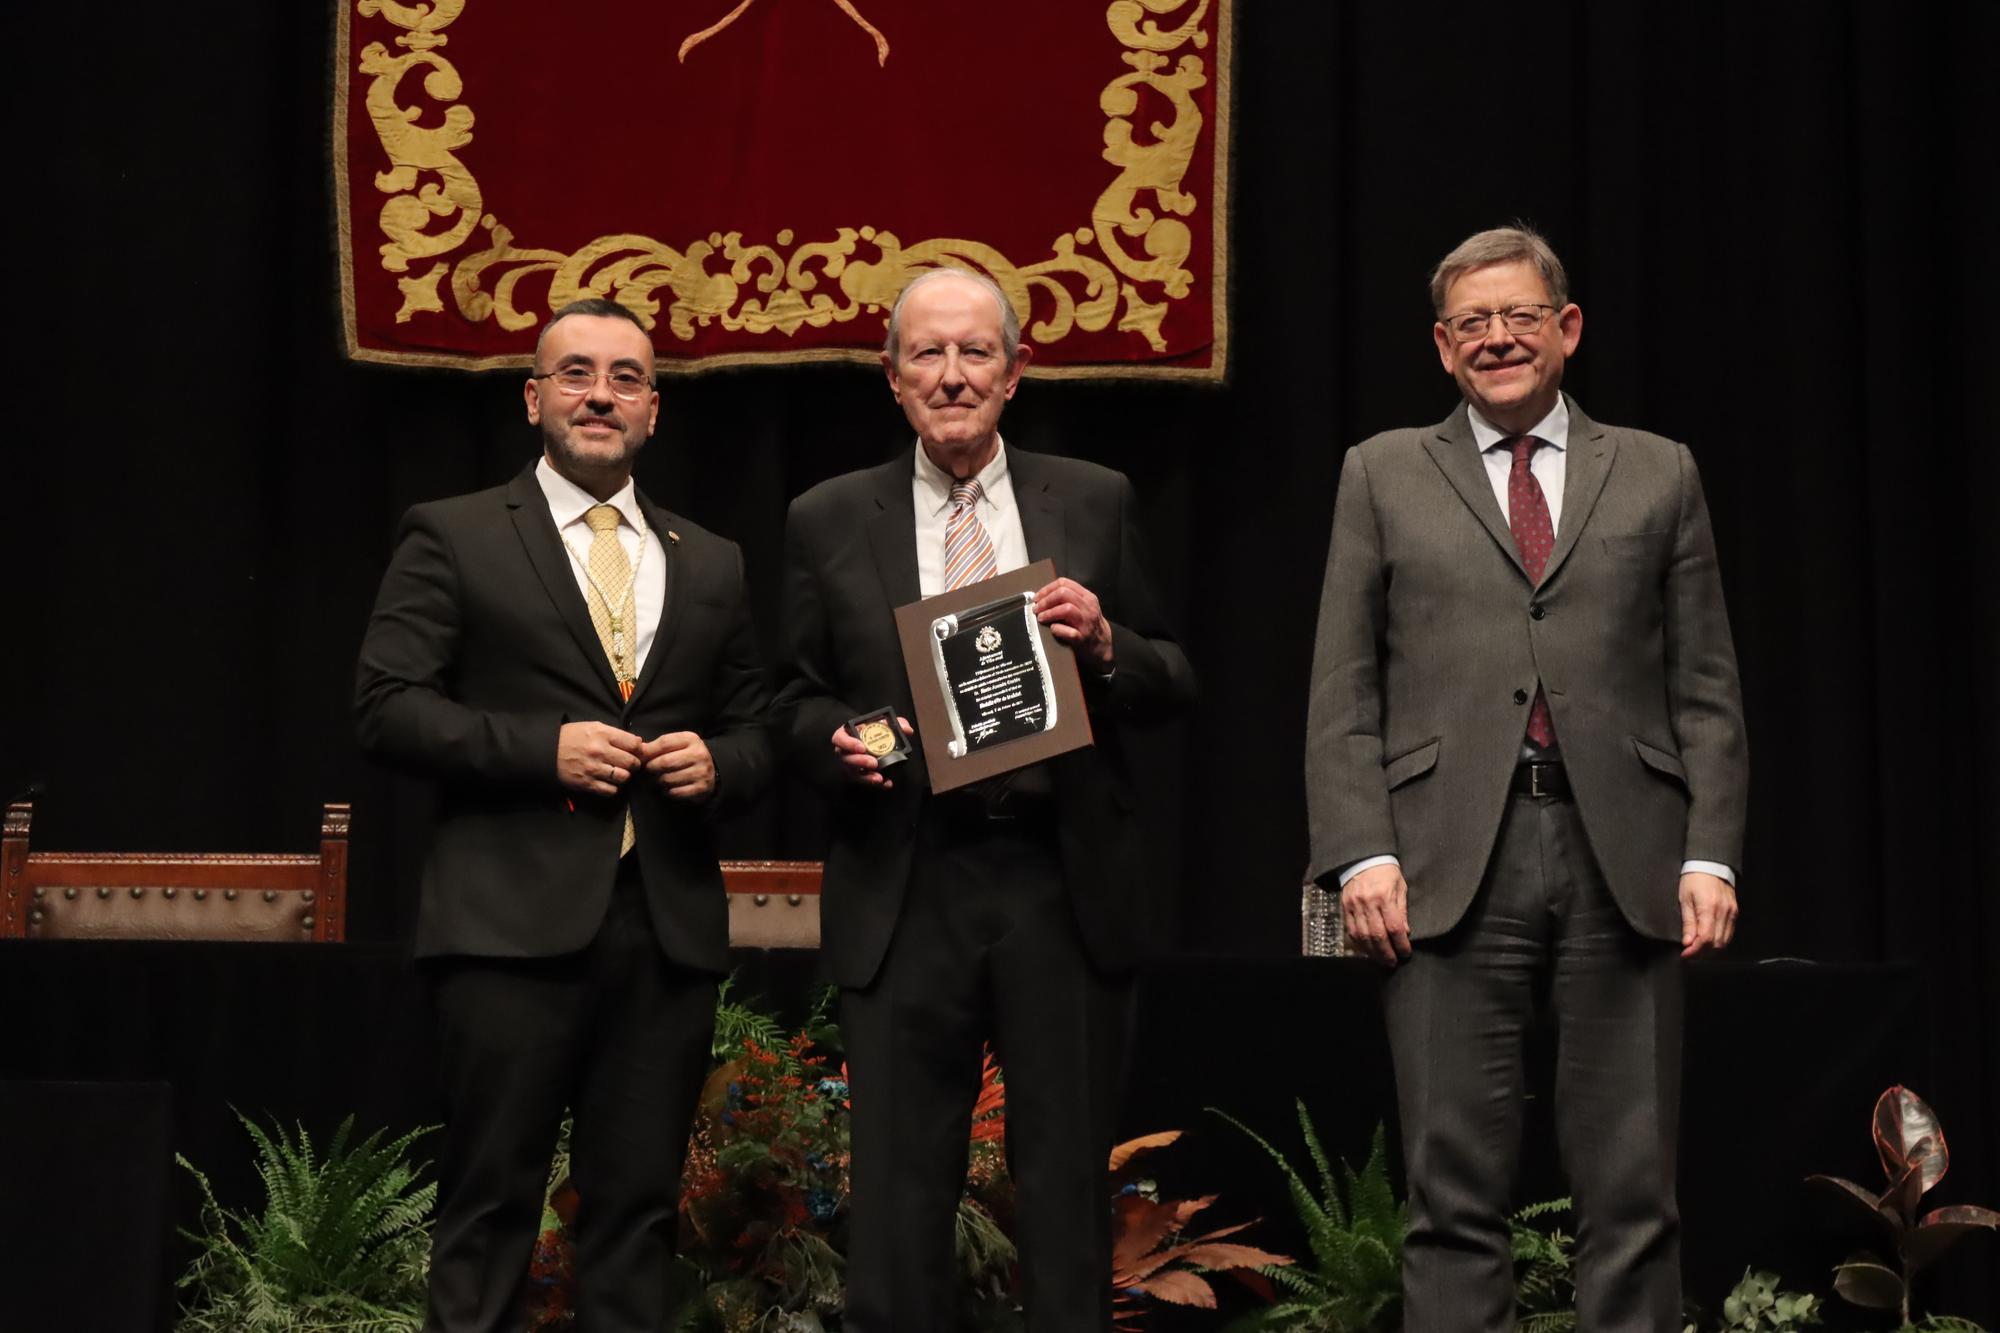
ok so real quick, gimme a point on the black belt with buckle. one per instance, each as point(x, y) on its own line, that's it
point(1541, 777)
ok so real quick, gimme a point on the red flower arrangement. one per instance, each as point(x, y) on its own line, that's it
point(764, 1200)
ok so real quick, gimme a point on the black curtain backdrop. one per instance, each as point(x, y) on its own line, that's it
point(1767, 214)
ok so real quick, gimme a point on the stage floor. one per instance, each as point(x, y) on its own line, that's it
point(1784, 1061)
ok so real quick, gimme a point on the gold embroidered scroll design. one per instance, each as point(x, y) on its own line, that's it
point(1134, 224)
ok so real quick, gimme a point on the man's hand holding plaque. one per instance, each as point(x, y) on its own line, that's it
point(993, 672)
point(1072, 614)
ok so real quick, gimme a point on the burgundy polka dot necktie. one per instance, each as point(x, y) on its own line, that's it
point(1534, 538)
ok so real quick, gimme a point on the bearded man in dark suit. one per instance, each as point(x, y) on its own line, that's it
point(574, 667)
point(1009, 913)
point(1526, 770)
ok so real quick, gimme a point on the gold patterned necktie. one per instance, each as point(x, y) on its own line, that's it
point(617, 628)
point(968, 552)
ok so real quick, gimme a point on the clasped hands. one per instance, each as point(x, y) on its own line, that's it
point(1374, 909)
point(1073, 615)
point(599, 759)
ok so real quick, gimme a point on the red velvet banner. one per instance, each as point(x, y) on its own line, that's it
point(757, 180)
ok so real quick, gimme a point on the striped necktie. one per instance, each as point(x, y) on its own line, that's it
point(968, 551)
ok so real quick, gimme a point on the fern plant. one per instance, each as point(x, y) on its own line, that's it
point(1354, 1228)
point(341, 1246)
point(1544, 1269)
point(736, 1022)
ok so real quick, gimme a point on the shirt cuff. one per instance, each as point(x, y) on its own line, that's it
point(1715, 868)
point(1348, 872)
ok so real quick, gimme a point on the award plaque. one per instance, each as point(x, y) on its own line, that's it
point(994, 690)
point(879, 732)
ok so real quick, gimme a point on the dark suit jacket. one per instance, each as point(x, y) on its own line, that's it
point(479, 650)
point(1431, 639)
point(850, 560)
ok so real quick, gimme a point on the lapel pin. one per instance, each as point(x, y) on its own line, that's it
point(673, 537)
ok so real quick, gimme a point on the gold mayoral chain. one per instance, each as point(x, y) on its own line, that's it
point(627, 676)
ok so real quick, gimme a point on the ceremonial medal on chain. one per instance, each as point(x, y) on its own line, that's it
point(624, 655)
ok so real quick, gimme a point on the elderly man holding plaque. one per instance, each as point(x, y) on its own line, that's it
point(1003, 909)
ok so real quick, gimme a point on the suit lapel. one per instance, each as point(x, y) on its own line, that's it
point(660, 521)
point(1042, 527)
point(1456, 453)
point(892, 533)
point(1590, 454)
point(529, 509)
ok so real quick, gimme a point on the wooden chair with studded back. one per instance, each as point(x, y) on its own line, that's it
point(772, 904)
point(263, 896)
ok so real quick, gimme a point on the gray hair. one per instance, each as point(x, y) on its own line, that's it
point(1501, 245)
point(1010, 323)
point(590, 305)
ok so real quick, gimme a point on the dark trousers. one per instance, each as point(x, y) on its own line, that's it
point(986, 948)
point(1543, 929)
point(618, 1034)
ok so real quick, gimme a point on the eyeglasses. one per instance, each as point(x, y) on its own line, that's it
point(627, 384)
point(1473, 325)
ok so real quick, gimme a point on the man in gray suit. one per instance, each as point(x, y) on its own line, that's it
point(1526, 771)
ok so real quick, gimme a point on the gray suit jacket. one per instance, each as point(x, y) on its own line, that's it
point(1432, 638)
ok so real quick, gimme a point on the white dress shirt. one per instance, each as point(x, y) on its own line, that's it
point(930, 492)
point(1549, 464)
point(568, 503)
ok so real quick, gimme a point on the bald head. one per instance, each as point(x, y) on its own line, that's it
point(953, 360)
point(1010, 323)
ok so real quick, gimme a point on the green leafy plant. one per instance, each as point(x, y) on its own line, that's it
point(1354, 1227)
point(341, 1246)
point(1758, 1305)
point(1910, 1143)
point(1544, 1268)
point(737, 1022)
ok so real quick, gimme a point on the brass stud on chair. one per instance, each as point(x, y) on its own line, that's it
point(270, 895)
point(229, 895)
point(760, 898)
point(138, 892)
point(169, 891)
point(69, 894)
point(201, 895)
point(41, 892)
point(306, 896)
point(103, 892)
point(794, 899)
point(35, 917)
point(306, 922)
